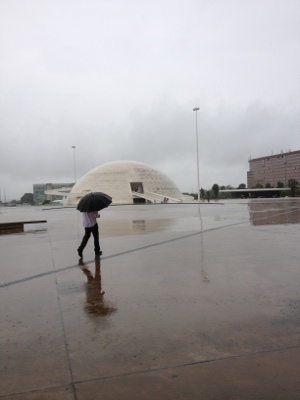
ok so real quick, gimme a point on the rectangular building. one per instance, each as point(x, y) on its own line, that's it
point(39, 195)
point(273, 169)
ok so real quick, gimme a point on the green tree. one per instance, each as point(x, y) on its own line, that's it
point(258, 186)
point(202, 193)
point(27, 198)
point(280, 184)
point(208, 195)
point(268, 185)
point(292, 184)
point(215, 189)
point(242, 186)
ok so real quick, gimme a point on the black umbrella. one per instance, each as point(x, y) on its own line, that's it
point(94, 201)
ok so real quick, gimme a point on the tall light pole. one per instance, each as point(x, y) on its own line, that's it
point(74, 147)
point(197, 109)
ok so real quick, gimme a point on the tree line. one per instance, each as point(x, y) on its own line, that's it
point(214, 192)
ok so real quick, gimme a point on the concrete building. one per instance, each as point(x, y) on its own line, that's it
point(39, 189)
point(273, 169)
point(127, 182)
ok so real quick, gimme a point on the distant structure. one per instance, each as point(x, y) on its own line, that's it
point(127, 182)
point(273, 169)
point(39, 189)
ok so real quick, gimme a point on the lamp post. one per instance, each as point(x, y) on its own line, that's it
point(197, 109)
point(74, 147)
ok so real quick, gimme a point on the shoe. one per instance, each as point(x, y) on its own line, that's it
point(98, 253)
point(79, 253)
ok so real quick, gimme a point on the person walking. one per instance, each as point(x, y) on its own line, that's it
point(89, 222)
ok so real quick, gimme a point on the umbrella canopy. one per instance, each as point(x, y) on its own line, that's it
point(94, 201)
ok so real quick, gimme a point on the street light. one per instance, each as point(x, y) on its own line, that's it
point(197, 109)
point(74, 147)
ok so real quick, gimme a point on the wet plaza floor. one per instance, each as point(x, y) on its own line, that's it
point(187, 302)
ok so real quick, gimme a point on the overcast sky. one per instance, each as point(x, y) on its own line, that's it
point(119, 80)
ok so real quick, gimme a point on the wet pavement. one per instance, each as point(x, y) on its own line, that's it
point(187, 302)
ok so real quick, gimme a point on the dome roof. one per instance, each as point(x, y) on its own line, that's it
point(127, 182)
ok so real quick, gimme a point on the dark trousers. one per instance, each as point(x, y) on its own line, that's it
point(95, 231)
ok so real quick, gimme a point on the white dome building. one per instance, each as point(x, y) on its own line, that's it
point(127, 182)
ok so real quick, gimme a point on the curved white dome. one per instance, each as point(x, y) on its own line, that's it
point(126, 182)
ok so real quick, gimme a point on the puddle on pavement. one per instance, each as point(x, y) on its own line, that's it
point(96, 306)
point(285, 211)
point(134, 227)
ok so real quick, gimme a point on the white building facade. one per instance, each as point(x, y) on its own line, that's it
point(127, 182)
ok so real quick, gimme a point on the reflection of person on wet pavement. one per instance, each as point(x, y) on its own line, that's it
point(94, 293)
point(89, 221)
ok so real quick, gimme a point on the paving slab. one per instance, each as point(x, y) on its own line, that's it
point(186, 299)
point(33, 346)
point(57, 393)
point(266, 376)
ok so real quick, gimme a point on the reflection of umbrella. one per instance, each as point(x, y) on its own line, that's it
point(94, 201)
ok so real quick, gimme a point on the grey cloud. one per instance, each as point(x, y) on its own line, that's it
point(120, 79)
